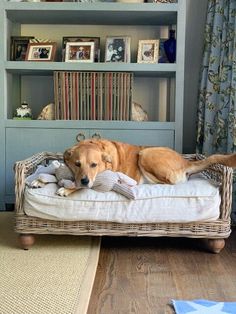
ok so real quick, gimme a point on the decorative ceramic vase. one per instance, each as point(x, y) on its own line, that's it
point(170, 47)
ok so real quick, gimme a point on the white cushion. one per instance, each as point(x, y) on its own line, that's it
point(195, 200)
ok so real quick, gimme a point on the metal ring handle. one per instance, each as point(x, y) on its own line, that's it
point(96, 136)
point(80, 137)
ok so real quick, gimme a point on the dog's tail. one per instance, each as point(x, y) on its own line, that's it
point(200, 165)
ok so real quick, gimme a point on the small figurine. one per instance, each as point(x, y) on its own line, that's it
point(23, 112)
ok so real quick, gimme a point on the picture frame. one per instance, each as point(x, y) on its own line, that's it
point(117, 49)
point(18, 47)
point(96, 41)
point(148, 51)
point(79, 52)
point(41, 52)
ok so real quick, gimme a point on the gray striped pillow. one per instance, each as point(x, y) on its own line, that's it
point(109, 180)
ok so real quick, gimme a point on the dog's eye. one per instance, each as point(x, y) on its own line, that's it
point(93, 165)
point(78, 163)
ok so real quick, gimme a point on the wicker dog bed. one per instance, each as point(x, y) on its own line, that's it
point(214, 232)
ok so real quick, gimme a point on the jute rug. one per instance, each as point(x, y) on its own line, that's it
point(54, 277)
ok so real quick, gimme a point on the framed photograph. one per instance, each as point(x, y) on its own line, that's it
point(19, 46)
point(96, 41)
point(117, 49)
point(148, 51)
point(41, 52)
point(79, 52)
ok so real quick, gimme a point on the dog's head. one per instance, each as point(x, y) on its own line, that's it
point(86, 160)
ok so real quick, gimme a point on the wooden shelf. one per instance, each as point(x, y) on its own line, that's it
point(99, 13)
point(47, 68)
point(89, 124)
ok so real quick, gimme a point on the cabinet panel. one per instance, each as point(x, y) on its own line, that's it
point(21, 143)
point(139, 137)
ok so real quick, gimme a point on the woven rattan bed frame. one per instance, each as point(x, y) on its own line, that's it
point(214, 231)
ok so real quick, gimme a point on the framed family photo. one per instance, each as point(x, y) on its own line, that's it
point(19, 46)
point(148, 51)
point(41, 52)
point(79, 52)
point(96, 41)
point(117, 49)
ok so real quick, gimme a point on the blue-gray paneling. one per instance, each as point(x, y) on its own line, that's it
point(24, 142)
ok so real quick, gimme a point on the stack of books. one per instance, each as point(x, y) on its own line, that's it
point(93, 95)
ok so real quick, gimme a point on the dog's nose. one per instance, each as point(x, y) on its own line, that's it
point(85, 181)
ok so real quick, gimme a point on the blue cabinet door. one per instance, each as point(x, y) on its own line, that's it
point(138, 136)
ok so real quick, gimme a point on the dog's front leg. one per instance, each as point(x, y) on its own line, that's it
point(65, 191)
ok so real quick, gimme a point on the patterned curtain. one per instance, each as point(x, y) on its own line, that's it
point(216, 129)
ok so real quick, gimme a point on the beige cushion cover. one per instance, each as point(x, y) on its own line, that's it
point(195, 200)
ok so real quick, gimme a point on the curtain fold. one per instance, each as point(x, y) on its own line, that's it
point(216, 120)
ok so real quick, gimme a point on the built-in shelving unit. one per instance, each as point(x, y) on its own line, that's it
point(33, 81)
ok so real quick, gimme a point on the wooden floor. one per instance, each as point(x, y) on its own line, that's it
point(142, 275)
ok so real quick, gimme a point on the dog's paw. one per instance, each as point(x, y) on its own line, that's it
point(63, 192)
point(37, 184)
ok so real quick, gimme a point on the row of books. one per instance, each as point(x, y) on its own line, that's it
point(93, 95)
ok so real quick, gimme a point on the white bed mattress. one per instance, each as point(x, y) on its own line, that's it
point(195, 200)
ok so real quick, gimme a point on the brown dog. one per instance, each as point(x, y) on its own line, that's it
point(155, 164)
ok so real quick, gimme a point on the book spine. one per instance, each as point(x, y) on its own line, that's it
point(93, 82)
point(56, 93)
point(75, 95)
point(118, 96)
point(70, 112)
point(110, 92)
point(84, 97)
point(88, 98)
point(121, 95)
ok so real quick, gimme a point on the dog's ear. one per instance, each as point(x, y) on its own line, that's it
point(68, 153)
point(106, 157)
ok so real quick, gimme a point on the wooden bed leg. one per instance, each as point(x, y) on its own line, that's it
point(26, 241)
point(215, 245)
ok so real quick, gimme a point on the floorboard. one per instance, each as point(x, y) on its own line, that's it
point(142, 275)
